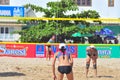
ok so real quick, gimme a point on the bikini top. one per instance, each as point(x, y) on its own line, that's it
point(91, 53)
point(61, 54)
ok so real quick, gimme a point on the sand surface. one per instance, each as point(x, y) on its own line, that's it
point(12, 68)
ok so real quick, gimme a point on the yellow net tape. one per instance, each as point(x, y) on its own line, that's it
point(75, 44)
point(74, 19)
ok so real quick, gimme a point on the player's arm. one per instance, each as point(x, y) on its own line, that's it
point(96, 53)
point(88, 51)
point(53, 65)
point(71, 59)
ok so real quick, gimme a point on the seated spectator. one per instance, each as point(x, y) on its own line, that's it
point(110, 42)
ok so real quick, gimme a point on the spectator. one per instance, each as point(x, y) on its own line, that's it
point(116, 41)
point(99, 39)
point(110, 42)
point(48, 47)
point(105, 41)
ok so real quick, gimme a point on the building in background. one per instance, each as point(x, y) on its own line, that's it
point(106, 8)
point(4, 2)
point(8, 26)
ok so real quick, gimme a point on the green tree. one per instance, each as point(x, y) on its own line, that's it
point(44, 29)
point(55, 9)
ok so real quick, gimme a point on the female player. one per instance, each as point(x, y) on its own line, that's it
point(48, 47)
point(65, 63)
point(91, 54)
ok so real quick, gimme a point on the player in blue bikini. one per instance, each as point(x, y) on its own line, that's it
point(65, 63)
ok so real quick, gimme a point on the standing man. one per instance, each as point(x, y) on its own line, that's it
point(91, 54)
point(48, 47)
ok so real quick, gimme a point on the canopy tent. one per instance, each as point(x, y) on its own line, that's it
point(104, 31)
point(78, 34)
point(110, 37)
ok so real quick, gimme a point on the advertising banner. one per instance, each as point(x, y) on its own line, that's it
point(82, 51)
point(104, 51)
point(73, 50)
point(115, 51)
point(40, 51)
point(32, 50)
point(17, 50)
point(12, 11)
point(70, 48)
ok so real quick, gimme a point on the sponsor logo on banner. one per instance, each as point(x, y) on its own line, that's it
point(12, 11)
point(104, 52)
point(40, 51)
point(71, 49)
point(2, 46)
point(13, 50)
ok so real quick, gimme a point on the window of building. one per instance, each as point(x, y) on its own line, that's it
point(0, 2)
point(83, 2)
point(110, 3)
point(89, 2)
point(2, 30)
point(6, 30)
point(6, 2)
point(78, 2)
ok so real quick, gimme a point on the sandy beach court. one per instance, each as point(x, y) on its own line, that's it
point(12, 68)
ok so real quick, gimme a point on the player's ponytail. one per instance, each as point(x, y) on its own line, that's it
point(63, 51)
point(62, 47)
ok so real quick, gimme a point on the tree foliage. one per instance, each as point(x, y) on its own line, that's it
point(55, 9)
point(44, 29)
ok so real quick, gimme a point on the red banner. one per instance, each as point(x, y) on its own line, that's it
point(17, 50)
point(32, 50)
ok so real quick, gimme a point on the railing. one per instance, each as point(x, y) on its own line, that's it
point(9, 37)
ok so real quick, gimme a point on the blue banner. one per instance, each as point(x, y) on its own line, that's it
point(69, 48)
point(40, 51)
point(12, 11)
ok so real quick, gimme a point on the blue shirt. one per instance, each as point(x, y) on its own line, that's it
point(51, 41)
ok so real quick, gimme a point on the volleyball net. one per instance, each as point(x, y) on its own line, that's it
point(18, 22)
point(107, 20)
